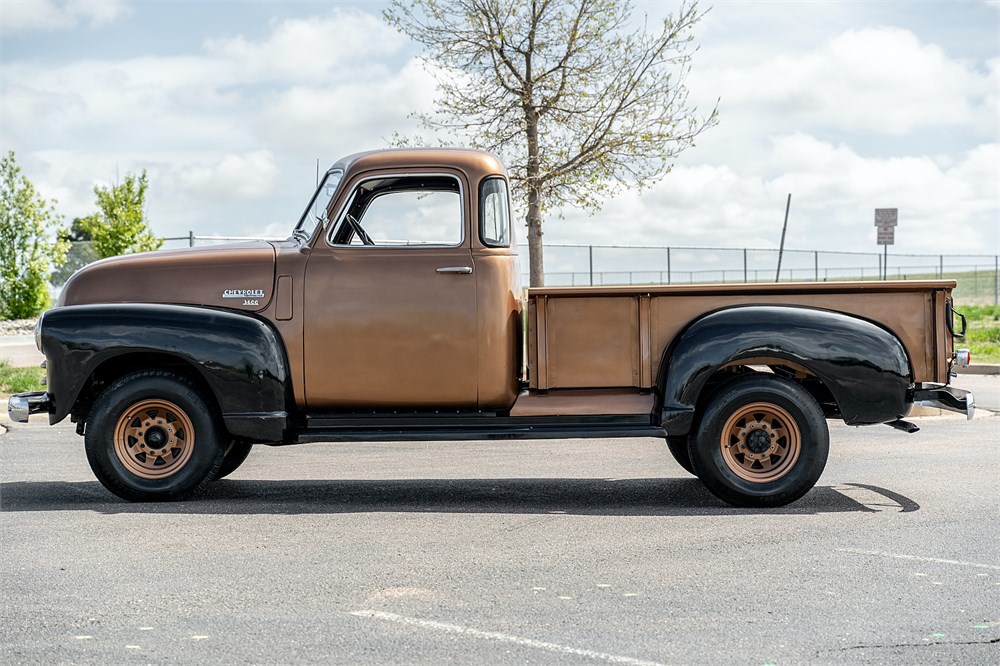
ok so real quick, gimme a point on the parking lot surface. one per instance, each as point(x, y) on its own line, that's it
point(567, 551)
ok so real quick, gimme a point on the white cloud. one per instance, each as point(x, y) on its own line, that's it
point(18, 16)
point(341, 46)
point(252, 175)
point(346, 117)
point(872, 79)
point(846, 121)
point(218, 126)
point(834, 193)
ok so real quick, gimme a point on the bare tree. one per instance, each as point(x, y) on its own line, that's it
point(577, 103)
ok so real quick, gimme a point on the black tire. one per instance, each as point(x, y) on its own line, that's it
point(236, 453)
point(160, 413)
point(678, 446)
point(760, 442)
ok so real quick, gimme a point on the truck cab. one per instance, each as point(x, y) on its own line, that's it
point(410, 288)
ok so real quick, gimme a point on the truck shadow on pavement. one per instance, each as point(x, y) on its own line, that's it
point(599, 497)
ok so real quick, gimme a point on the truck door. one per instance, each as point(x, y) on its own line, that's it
point(390, 300)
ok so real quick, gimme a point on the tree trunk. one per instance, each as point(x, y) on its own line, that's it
point(535, 257)
point(534, 218)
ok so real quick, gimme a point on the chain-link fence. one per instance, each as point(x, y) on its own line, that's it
point(977, 275)
point(565, 264)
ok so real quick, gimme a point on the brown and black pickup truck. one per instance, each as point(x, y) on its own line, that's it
point(395, 311)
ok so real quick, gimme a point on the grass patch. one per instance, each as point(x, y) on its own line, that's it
point(983, 335)
point(19, 380)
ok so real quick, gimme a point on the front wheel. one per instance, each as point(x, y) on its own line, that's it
point(152, 436)
point(236, 454)
point(760, 442)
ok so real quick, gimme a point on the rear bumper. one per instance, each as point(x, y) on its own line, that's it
point(22, 405)
point(946, 397)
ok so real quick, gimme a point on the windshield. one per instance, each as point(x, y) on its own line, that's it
point(319, 206)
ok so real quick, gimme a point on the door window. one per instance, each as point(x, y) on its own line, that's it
point(402, 210)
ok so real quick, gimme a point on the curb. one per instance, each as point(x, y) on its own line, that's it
point(980, 369)
point(920, 411)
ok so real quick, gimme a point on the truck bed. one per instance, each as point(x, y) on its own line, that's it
point(614, 337)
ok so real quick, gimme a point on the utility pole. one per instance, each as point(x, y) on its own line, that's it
point(781, 248)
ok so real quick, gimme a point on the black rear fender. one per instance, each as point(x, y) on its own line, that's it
point(864, 367)
point(239, 358)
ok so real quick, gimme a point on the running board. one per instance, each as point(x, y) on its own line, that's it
point(443, 429)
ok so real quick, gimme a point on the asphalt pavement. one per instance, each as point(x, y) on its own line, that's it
point(544, 552)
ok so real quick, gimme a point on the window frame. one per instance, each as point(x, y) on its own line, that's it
point(349, 201)
point(482, 214)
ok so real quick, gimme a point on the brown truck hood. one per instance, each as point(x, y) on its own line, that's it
point(238, 276)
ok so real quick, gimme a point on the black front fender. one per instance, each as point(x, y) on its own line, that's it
point(865, 367)
point(240, 358)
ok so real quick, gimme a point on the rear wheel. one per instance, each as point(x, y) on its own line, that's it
point(761, 441)
point(152, 437)
point(678, 446)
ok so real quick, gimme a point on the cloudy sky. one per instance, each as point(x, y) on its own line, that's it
point(848, 106)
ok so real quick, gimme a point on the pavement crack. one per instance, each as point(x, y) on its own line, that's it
point(992, 641)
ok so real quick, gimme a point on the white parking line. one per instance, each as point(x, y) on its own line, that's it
point(898, 556)
point(502, 638)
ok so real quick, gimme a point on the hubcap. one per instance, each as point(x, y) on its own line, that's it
point(760, 442)
point(154, 439)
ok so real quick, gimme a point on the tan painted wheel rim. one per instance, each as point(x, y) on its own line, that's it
point(154, 439)
point(760, 442)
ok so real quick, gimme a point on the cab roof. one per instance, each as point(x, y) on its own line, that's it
point(476, 164)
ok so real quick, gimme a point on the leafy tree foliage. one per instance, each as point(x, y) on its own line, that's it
point(27, 223)
point(120, 225)
point(579, 104)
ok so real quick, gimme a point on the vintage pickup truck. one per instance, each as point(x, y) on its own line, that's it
point(395, 312)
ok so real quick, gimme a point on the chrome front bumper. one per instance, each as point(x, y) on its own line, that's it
point(22, 405)
point(946, 397)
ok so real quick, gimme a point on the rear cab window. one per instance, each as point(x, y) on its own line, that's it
point(494, 213)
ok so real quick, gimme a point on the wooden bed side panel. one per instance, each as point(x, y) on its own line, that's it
point(615, 338)
point(907, 314)
point(584, 342)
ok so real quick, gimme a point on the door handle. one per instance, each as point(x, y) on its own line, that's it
point(465, 270)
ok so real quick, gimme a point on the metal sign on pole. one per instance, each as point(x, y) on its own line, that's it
point(886, 220)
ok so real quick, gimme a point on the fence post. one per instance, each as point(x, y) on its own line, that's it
point(940, 266)
point(816, 264)
point(190, 239)
point(591, 250)
point(745, 266)
point(996, 280)
point(668, 265)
